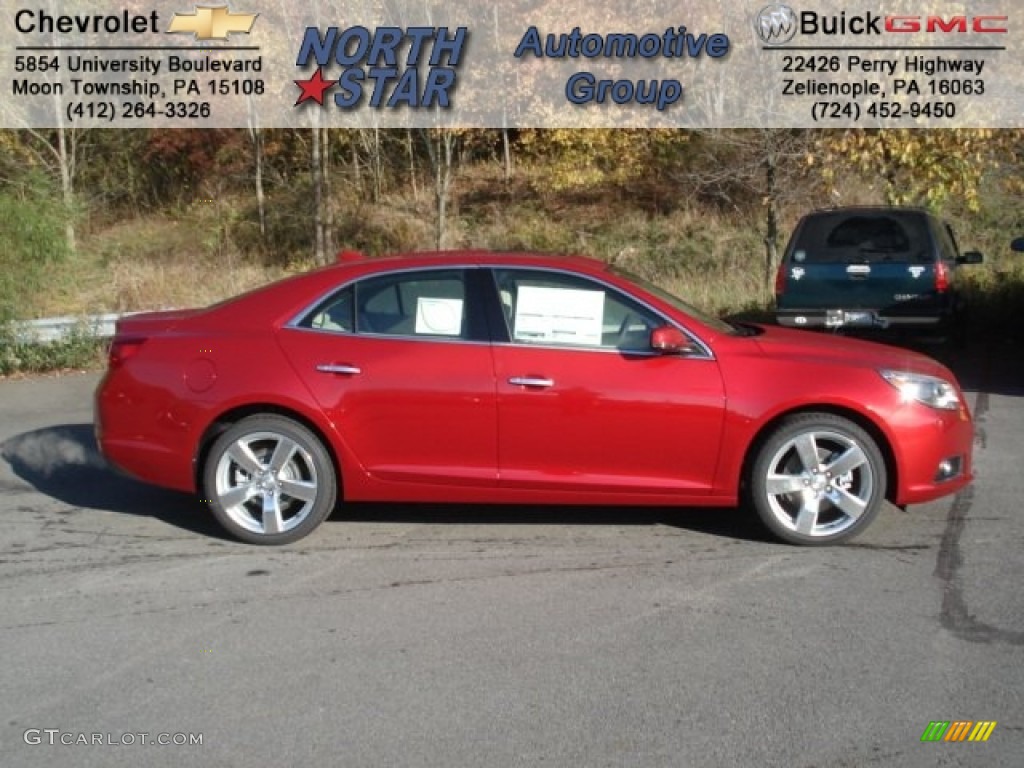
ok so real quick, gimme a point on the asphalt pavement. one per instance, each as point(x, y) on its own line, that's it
point(404, 635)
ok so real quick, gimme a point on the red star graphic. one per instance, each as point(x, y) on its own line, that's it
point(313, 88)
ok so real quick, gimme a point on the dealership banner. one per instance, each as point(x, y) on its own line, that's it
point(462, 64)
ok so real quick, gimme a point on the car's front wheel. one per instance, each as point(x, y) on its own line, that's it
point(818, 478)
point(269, 480)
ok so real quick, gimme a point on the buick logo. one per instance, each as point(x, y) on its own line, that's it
point(776, 24)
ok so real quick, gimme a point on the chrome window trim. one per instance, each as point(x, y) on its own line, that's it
point(388, 336)
point(294, 323)
point(603, 350)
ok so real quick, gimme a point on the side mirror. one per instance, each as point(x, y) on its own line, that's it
point(669, 340)
point(1018, 244)
point(971, 257)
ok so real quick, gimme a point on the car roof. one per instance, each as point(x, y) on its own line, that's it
point(280, 298)
point(876, 209)
point(474, 257)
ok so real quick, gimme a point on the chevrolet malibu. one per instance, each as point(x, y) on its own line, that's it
point(475, 377)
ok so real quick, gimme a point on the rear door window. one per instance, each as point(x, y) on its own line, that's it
point(428, 303)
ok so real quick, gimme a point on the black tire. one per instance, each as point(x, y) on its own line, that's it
point(269, 480)
point(846, 485)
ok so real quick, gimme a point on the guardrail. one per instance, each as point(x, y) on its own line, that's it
point(56, 328)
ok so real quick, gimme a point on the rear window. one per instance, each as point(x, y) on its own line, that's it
point(861, 237)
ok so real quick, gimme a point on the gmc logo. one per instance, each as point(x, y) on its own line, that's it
point(960, 24)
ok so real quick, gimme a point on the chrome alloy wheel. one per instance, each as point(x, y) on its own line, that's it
point(819, 483)
point(266, 483)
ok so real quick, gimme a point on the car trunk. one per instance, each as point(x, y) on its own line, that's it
point(148, 323)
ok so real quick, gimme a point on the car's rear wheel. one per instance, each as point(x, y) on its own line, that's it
point(817, 479)
point(269, 480)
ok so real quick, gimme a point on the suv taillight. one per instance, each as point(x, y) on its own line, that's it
point(780, 280)
point(941, 278)
point(121, 350)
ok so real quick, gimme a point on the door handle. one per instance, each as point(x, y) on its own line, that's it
point(531, 381)
point(345, 370)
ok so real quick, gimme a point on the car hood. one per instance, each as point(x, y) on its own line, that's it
point(831, 348)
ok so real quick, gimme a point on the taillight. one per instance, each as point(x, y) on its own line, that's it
point(941, 278)
point(780, 280)
point(122, 350)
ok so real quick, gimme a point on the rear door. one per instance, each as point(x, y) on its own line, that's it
point(401, 364)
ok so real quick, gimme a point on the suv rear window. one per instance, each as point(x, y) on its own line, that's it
point(861, 237)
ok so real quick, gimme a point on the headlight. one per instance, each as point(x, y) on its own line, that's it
point(932, 391)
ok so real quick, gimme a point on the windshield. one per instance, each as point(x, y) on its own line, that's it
point(715, 323)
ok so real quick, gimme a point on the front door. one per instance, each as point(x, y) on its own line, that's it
point(585, 404)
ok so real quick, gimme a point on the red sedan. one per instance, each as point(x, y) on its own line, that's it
point(479, 377)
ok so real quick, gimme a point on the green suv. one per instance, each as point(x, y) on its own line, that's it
point(871, 267)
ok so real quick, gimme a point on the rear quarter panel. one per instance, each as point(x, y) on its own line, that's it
point(156, 409)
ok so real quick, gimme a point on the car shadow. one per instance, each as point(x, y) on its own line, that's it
point(991, 366)
point(721, 522)
point(995, 367)
point(64, 463)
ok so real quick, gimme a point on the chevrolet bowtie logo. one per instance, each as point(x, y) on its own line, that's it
point(212, 23)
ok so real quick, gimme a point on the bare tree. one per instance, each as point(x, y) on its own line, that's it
point(318, 165)
point(256, 136)
point(59, 151)
point(766, 165)
point(442, 150)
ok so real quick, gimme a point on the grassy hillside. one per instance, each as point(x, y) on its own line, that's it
point(203, 250)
